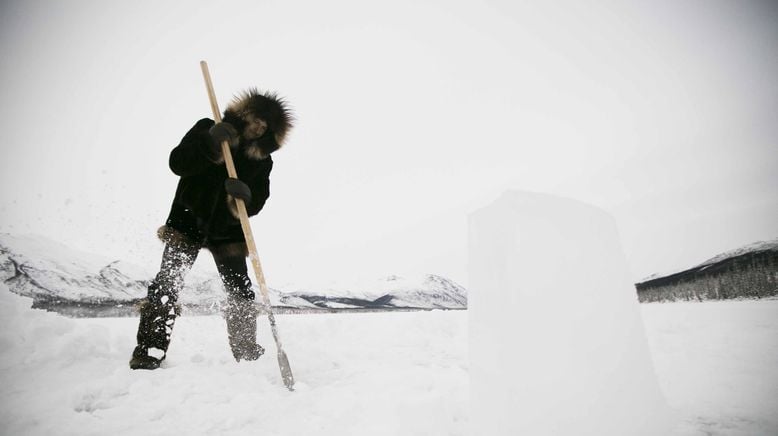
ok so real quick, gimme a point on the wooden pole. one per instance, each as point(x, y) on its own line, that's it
point(283, 361)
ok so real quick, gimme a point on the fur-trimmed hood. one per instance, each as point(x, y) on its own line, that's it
point(266, 105)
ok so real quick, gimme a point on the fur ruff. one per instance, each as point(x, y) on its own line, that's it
point(266, 105)
point(254, 152)
point(169, 235)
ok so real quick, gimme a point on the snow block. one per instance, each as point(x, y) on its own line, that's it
point(557, 342)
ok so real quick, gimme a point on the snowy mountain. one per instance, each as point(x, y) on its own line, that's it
point(745, 272)
point(757, 248)
point(429, 292)
point(55, 275)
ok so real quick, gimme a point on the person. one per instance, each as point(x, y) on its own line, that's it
point(204, 215)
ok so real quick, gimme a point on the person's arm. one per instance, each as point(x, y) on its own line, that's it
point(197, 151)
point(254, 193)
point(260, 189)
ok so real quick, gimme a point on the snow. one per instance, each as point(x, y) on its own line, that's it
point(336, 305)
point(750, 248)
point(555, 328)
point(357, 374)
point(718, 364)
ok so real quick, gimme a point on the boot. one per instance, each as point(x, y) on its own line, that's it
point(241, 317)
point(156, 325)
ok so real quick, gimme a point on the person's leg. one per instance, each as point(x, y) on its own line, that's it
point(159, 311)
point(240, 313)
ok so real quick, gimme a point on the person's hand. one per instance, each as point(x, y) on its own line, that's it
point(221, 132)
point(237, 189)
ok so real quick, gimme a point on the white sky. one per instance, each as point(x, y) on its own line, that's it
point(411, 115)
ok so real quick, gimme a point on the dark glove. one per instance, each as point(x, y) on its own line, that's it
point(221, 132)
point(238, 189)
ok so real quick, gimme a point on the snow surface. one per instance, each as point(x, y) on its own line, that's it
point(555, 326)
point(718, 364)
point(357, 374)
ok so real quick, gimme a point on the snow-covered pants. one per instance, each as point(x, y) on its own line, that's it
point(159, 312)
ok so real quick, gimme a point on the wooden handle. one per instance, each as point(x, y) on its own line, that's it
point(283, 361)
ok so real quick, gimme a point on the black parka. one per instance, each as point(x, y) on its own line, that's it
point(202, 211)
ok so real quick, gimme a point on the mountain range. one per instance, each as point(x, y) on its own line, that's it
point(715, 264)
point(55, 275)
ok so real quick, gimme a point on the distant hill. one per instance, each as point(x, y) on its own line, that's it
point(746, 272)
point(60, 278)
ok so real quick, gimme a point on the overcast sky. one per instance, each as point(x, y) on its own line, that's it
point(411, 115)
